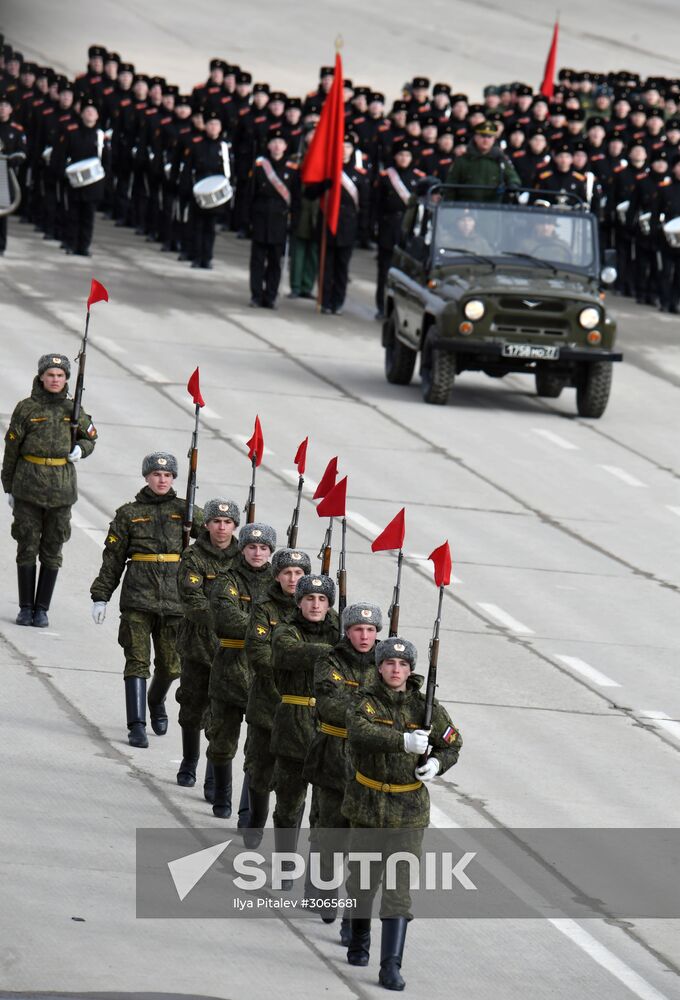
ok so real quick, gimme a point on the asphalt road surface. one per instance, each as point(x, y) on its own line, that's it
point(559, 641)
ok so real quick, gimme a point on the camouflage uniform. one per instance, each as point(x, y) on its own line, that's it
point(200, 568)
point(43, 493)
point(231, 674)
point(151, 525)
point(271, 609)
point(376, 727)
point(296, 646)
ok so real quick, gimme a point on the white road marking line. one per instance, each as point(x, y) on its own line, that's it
point(607, 959)
point(505, 619)
point(556, 439)
point(363, 522)
point(581, 667)
point(205, 411)
point(674, 510)
point(624, 476)
point(110, 345)
point(96, 534)
point(244, 438)
point(664, 722)
point(151, 375)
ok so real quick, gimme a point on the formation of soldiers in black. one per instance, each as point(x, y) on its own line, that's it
point(249, 631)
point(613, 139)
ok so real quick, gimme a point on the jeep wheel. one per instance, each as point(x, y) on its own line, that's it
point(548, 383)
point(399, 359)
point(437, 376)
point(592, 390)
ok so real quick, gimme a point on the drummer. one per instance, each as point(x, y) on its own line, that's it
point(208, 157)
point(80, 145)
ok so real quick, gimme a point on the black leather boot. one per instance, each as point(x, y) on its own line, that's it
point(244, 805)
point(359, 948)
point(158, 688)
point(43, 595)
point(191, 750)
point(135, 705)
point(392, 952)
point(26, 577)
point(345, 932)
point(209, 782)
point(259, 810)
point(222, 800)
point(285, 842)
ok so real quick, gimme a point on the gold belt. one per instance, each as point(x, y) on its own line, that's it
point(37, 460)
point(155, 557)
point(297, 699)
point(329, 730)
point(384, 786)
point(233, 643)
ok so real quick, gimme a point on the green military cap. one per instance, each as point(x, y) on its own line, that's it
point(486, 128)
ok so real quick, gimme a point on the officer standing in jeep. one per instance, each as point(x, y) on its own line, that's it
point(485, 164)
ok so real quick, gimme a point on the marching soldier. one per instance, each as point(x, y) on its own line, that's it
point(310, 633)
point(277, 605)
point(231, 674)
point(274, 205)
point(13, 145)
point(394, 188)
point(201, 565)
point(144, 541)
point(81, 142)
point(669, 208)
point(389, 790)
point(624, 179)
point(39, 478)
point(559, 176)
point(209, 156)
point(642, 210)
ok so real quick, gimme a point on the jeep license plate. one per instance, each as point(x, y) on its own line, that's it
point(533, 352)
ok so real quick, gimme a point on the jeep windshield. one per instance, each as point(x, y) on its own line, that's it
point(515, 235)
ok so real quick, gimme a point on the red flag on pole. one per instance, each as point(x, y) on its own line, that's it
point(441, 557)
point(327, 480)
point(333, 504)
point(393, 535)
point(323, 160)
point(194, 389)
point(301, 456)
point(256, 443)
point(548, 85)
point(97, 294)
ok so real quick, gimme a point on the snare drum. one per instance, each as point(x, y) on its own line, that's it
point(85, 172)
point(671, 231)
point(211, 192)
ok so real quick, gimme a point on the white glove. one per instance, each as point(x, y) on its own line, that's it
point(416, 742)
point(98, 612)
point(10, 500)
point(428, 771)
point(75, 455)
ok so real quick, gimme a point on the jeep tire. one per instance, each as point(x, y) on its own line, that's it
point(549, 383)
point(399, 359)
point(592, 388)
point(437, 374)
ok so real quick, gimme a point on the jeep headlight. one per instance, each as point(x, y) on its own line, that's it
point(474, 310)
point(589, 318)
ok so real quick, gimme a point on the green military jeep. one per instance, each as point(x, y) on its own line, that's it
point(500, 288)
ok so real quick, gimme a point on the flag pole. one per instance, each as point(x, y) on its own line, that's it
point(322, 254)
point(394, 607)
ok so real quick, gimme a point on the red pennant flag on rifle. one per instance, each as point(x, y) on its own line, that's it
point(97, 294)
point(441, 557)
point(548, 85)
point(256, 444)
point(194, 389)
point(393, 535)
point(333, 504)
point(327, 480)
point(323, 161)
point(301, 456)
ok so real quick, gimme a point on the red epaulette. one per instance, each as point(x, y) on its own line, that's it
point(384, 127)
point(360, 170)
point(150, 111)
point(427, 152)
point(312, 93)
point(244, 111)
point(419, 173)
point(578, 175)
point(261, 118)
point(358, 121)
point(226, 99)
point(197, 138)
point(665, 182)
point(107, 91)
point(446, 159)
point(70, 128)
point(545, 175)
point(641, 177)
point(17, 126)
point(124, 103)
point(383, 173)
point(621, 166)
point(293, 166)
point(96, 79)
point(213, 90)
point(164, 121)
point(48, 111)
point(518, 153)
point(139, 106)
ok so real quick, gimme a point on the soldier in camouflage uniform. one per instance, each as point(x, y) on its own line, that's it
point(231, 675)
point(275, 606)
point(39, 478)
point(144, 540)
point(339, 676)
point(296, 646)
point(201, 565)
point(385, 742)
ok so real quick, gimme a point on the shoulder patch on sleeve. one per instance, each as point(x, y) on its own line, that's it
point(193, 579)
point(111, 540)
point(337, 676)
point(450, 735)
point(261, 630)
point(368, 708)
